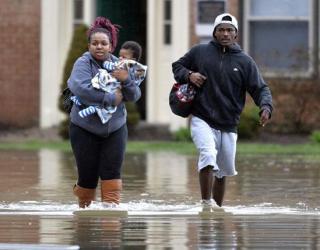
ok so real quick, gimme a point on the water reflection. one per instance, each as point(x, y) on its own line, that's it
point(159, 176)
point(274, 201)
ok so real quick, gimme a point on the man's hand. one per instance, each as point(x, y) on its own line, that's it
point(197, 79)
point(264, 117)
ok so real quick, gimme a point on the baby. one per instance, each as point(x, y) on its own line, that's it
point(130, 52)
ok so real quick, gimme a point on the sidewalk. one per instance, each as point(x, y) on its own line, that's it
point(143, 131)
point(146, 132)
point(15, 135)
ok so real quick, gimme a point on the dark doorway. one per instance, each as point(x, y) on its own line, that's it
point(132, 17)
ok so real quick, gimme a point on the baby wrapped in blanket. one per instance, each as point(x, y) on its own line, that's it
point(104, 81)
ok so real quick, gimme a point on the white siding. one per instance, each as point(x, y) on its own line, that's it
point(56, 32)
point(160, 58)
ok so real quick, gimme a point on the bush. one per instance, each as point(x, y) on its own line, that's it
point(133, 115)
point(315, 136)
point(182, 134)
point(63, 128)
point(79, 45)
point(249, 126)
point(295, 101)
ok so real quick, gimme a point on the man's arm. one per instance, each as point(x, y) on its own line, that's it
point(183, 67)
point(260, 93)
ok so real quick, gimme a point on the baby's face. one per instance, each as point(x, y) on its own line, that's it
point(126, 54)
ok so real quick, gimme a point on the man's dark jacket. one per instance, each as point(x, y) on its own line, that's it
point(230, 73)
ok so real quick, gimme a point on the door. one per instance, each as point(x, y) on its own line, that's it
point(131, 16)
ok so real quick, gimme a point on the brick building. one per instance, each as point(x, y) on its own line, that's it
point(20, 63)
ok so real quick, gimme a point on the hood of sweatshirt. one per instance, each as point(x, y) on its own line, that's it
point(234, 48)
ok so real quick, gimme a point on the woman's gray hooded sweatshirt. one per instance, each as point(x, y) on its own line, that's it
point(84, 69)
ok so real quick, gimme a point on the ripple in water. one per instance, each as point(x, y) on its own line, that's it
point(143, 207)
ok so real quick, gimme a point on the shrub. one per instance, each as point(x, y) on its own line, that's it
point(79, 45)
point(295, 102)
point(133, 115)
point(249, 122)
point(182, 134)
point(315, 136)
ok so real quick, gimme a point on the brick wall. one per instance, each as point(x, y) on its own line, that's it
point(194, 39)
point(19, 63)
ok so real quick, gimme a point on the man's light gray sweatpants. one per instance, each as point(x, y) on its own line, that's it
point(216, 148)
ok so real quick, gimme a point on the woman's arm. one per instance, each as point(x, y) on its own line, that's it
point(80, 85)
point(131, 92)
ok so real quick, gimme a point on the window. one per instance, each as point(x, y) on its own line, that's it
point(78, 12)
point(279, 36)
point(207, 11)
point(167, 22)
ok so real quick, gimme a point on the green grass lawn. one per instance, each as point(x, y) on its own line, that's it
point(178, 147)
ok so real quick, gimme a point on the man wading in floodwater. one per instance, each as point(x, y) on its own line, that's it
point(222, 74)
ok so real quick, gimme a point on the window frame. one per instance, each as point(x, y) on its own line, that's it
point(247, 18)
point(167, 23)
point(204, 30)
point(80, 20)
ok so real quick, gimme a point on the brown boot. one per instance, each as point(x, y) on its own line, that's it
point(85, 195)
point(110, 190)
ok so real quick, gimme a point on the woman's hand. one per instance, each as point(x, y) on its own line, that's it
point(118, 97)
point(120, 74)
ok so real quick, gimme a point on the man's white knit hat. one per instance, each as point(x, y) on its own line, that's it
point(225, 18)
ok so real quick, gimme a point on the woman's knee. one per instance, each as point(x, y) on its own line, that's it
point(87, 182)
point(110, 174)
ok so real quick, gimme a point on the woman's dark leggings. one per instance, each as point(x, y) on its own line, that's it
point(97, 156)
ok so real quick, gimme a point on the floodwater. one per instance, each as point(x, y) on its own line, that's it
point(273, 203)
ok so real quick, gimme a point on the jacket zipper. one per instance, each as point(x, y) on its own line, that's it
point(221, 62)
point(222, 56)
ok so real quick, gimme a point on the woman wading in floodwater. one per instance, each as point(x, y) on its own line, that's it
point(98, 147)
